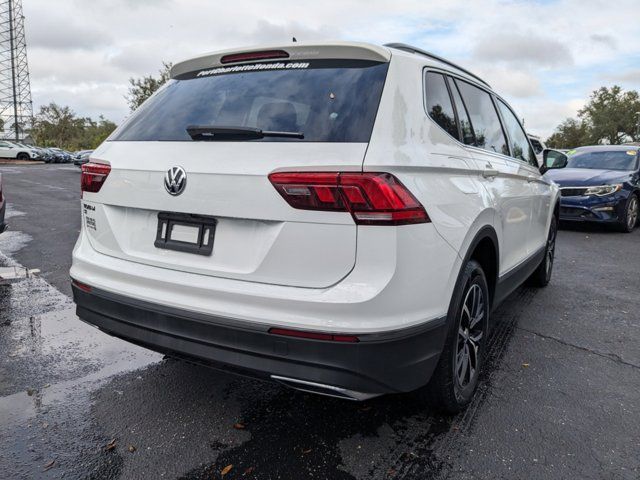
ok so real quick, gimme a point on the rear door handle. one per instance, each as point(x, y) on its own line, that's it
point(489, 172)
point(531, 179)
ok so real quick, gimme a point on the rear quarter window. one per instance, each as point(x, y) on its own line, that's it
point(439, 105)
point(326, 100)
point(484, 118)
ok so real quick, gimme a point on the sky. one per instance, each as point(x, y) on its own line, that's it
point(544, 56)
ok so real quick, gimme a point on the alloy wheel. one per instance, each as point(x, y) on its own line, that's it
point(551, 248)
point(632, 212)
point(470, 335)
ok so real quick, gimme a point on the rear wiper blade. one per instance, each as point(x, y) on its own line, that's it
point(214, 132)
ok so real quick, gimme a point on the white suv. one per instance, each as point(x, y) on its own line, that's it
point(338, 217)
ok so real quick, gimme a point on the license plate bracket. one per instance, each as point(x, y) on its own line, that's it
point(203, 231)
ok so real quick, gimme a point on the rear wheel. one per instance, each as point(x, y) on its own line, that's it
point(542, 275)
point(455, 379)
point(630, 218)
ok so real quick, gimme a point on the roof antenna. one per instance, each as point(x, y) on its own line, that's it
point(294, 40)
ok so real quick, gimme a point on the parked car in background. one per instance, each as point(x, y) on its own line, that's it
point(600, 184)
point(538, 146)
point(61, 156)
point(3, 207)
point(341, 218)
point(29, 148)
point(48, 155)
point(12, 150)
point(39, 151)
point(81, 157)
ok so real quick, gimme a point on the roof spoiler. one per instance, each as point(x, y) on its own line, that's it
point(294, 51)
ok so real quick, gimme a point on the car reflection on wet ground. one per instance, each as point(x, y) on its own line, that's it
point(559, 396)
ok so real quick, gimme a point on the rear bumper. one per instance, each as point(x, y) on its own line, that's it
point(393, 361)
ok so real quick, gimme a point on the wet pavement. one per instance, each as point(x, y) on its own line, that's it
point(559, 397)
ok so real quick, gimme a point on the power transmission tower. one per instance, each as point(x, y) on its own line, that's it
point(16, 108)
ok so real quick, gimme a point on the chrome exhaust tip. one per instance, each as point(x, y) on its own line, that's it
point(322, 389)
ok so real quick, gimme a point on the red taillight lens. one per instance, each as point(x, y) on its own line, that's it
point(327, 337)
point(248, 56)
point(371, 198)
point(82, 286)
point(93, 176)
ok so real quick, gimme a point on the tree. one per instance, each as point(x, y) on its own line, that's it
point(143, 88)
point(570, 134)
point(611, 115)
point(58, 126)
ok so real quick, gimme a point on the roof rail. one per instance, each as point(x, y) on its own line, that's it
point(410, 49)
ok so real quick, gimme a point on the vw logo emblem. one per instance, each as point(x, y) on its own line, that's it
point(175, 180)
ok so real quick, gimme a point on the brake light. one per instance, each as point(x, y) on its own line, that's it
point(93, 176)
point(371, 198)
point(328, 337)
point(248, 56)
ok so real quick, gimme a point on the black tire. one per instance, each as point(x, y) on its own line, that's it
point(23, 156)
point(629, 219)
point(449, 391)
point(542, 275)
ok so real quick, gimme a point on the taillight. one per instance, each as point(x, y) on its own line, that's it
point(327, 337)
point(93, 176)
point(249, 56)
point(82, 286)
point(371, 198)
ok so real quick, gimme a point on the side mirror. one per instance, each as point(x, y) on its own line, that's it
point(553, 159)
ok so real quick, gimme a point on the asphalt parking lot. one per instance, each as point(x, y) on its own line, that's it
point(559, 397)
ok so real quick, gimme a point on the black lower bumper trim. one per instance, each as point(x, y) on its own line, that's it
point(398, 361)
point(3, 225)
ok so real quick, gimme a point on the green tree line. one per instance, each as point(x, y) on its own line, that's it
point(611, 116)
point(58, 126)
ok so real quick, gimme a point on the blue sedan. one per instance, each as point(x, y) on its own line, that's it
point(600, 184)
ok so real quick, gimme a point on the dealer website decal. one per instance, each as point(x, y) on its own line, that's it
point(254, 67)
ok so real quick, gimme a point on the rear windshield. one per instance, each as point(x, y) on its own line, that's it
point(325, 100)
point(607, 160)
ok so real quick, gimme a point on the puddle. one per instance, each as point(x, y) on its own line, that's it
point(50, 363)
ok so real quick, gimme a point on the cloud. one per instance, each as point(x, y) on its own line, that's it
point(626, 77)
point(606, 40)
point(55, 32)
point(512, 82)
point(270, 32)
point(543, 56)
point(522, 49)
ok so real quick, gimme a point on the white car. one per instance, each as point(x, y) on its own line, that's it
point(12, 150)
point(338, 217)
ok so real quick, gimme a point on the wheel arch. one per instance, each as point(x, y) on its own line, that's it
point(484, 248)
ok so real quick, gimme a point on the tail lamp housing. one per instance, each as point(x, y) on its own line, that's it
point(93, 176)
point(372, 198)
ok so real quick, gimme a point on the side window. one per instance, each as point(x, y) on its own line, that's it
point(519, 142)
point(439, 103)
point(463, 116)
point(3, 145)
point(484, 118)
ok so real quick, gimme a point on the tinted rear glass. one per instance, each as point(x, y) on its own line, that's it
point(326, 100)
point(439, 103)
point(607, 160)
